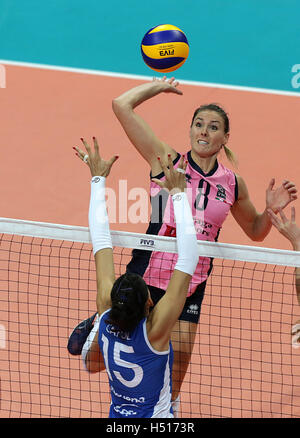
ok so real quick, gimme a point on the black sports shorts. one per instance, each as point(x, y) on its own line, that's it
point(192, 307)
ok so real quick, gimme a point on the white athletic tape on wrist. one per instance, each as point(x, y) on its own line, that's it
point(89, 340)
point(186, 235)
point(98, 219)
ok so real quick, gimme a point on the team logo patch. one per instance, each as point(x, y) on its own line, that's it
point(221, 194)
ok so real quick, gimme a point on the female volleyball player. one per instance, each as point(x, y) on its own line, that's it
point(290, 230)
point(135, 344)
point(213, 191)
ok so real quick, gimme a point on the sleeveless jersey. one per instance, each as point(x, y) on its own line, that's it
point(140, 377)
point(211, 196)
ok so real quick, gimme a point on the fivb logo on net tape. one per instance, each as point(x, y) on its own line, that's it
point(149, 243)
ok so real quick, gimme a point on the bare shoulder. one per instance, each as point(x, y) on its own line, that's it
point(242, 188)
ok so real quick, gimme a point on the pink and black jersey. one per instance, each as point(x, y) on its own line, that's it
point(211, 196)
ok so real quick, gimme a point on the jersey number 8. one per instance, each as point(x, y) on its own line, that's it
point(202, 197)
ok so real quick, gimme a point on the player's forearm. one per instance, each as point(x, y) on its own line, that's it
point(261, 227)
point(186, 235)
point(136, 96)
point(98, 218)
point(297, 282)
point(91, 354)
point(101, 241)
point(296, 244)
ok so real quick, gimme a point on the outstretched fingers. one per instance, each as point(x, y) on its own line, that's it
point(92, 158)
point(274, 219)
point(291, 189)
point(96, 146)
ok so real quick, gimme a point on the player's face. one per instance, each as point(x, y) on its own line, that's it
point(207, 134)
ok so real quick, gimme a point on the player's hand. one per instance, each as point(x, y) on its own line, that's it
point(175, 179)
point(280, 197)
point(288, 228)
point(92, 158)
point(167, 85)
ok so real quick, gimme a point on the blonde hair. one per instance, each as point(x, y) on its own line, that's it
point(230, 156)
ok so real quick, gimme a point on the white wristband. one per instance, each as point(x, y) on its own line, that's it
point(98, 219)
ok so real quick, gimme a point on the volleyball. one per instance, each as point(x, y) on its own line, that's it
point(165, 48)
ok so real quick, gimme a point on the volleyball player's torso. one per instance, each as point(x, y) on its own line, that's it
point(210, 196)
point(139, 375)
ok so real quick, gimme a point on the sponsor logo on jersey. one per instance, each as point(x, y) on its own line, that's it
point(125, 409)
point(221, 194)
point(127, 398)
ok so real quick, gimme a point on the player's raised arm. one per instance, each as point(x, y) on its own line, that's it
point(138, 131)
point(290, 230)
point(257, 225)
point(167, 311)
point(102, 247)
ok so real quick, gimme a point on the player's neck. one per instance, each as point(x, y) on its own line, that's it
point(206, 164)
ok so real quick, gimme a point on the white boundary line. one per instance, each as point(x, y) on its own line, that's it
point(149, 242)
point(146, 78)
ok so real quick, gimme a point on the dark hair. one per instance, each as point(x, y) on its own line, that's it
point(214, 107)
point(128, 296)
point(217, 109)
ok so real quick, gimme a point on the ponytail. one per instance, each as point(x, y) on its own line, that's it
point(231, 156)
point(128, 295)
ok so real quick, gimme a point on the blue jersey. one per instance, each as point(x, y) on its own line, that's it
point(140, 377)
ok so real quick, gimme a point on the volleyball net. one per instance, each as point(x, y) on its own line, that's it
point(243, 363)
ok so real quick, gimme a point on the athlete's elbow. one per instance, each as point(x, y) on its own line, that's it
point(257, 237)
point(118, 106)
point(93, 366)
point(254, 233)
point(92, 370)
point(115, 104)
